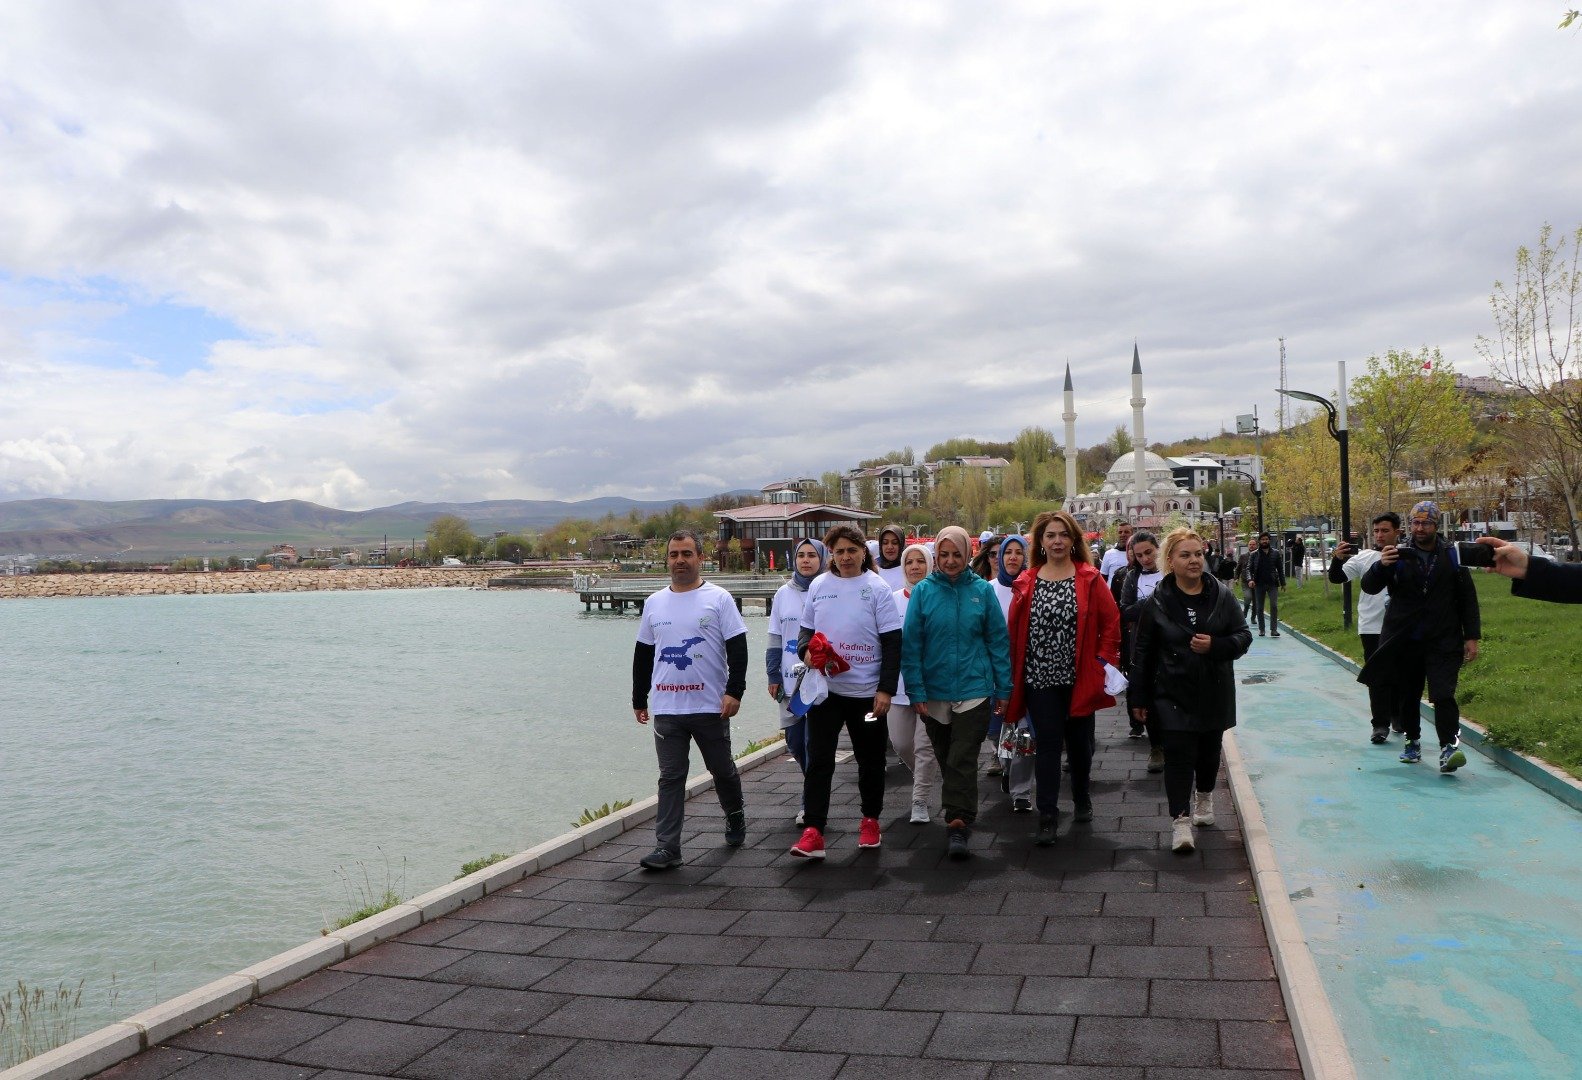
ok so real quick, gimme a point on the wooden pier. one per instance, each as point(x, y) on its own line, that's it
point(622, 594)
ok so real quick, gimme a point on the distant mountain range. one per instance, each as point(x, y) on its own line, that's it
point(162, 528)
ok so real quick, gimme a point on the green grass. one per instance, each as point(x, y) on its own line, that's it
point(478, 864)
point(1524, 686)
point(759, 744)
point(366, 898)
point(590, 816)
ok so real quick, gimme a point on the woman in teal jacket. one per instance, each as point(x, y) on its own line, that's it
point(956, 662)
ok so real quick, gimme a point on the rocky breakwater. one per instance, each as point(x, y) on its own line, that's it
point(245, 581)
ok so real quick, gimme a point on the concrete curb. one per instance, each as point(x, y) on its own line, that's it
point(1320, 1045)
point(1542, 775)
point(111, 1045)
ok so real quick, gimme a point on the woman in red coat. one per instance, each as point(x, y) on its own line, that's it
point(1064, 627)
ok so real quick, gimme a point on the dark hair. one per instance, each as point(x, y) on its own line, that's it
point(1143, 536)
point(1392, 517)
point(1079, 542)
point(988, 549)
point(686, 534)
point(847, 532)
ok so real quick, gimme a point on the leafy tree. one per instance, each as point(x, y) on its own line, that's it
point(867, 493)
point(1120, 443)
point(450, 536)
point(1406, 402)
point(903, 456)
point(1538, 351)
point(958, 447)
point(960, 496)
point(1302, 470)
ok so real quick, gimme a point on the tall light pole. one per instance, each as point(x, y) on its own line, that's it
point(1247, 424)
point(1338, 428)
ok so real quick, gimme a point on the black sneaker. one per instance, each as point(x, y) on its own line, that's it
point(1381, 734)
point(1137, 731)
point(736, 828)
point(1084, 810)
point(1021, 806)
point(957, 832)
point(660, 859)
point(1045, 836)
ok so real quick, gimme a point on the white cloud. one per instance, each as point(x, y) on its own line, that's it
point(515, 250)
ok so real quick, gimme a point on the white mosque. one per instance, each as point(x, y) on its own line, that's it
point(1139, 487)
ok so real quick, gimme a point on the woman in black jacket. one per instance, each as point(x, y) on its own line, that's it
point(1189, 635)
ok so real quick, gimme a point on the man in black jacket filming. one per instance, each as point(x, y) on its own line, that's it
point(1430, 629)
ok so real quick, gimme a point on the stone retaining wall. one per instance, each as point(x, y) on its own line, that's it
point(247, 581)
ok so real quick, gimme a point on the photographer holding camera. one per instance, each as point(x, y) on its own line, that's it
point(1349, 564)
point(1536, 579)
point(1430, 629)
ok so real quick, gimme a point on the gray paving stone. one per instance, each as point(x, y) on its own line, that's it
point(507, 907)
point(878, 901)
point(859, 1067)
point(1068, 1072)
point(886, 927)
point(1141, 1040)
point(490, 1008)
point(935, 957)
point(306, 991)
point(831, 954)
point(760, 899)
point(598, 944)
point(961, 993)
point(1151, 961)
point(723, 1023)
point(368, 1046)
point(579, 891)
point(996, 929)
point(620, 1019)
point(1083, 996)
point(1219, 1074)
point(432, 933)
point(686, 921)
point(579, 916)
point(985, 1037)
point(1233, 933)
point(849, 989)
point(798, 924)
point(1231, 879)
point(504, 937)
point(699, 949)
point(256, 1031)
point(1065, 905)
point(708, 983)
point(607, 978)
point(402, 960)
point(1235, 963)
point(594, 1060)
point(733, 1063)
point(381, 998)
point(1154, 905)
point(1231, 904)
point(668, 895)
point(996, 959)
point(1249, 1045)
point(586, 869)
point(871, 1031)
point(1098, 930)
point(499, 969)
point(1217, 999)
point(221, 1067)
point(930, 902)
point(488, 1055)
point(157, 1062)
point(1111, 881)
point(775, 875)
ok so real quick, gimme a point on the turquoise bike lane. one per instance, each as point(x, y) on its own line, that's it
point(1444, 912)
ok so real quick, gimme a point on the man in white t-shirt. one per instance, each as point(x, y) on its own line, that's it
point(689, 671)
point(1115, 557)
point(1349, 564)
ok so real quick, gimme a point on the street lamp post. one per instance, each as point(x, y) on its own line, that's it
point(1338, 428)
point(1247, 424)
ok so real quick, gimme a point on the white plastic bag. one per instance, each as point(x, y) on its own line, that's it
point(1114, 680)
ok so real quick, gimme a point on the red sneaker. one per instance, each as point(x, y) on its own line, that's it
point(811, 846)
point(868, 835)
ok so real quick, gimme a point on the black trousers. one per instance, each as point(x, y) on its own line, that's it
point(868, 738)
point(1191, 761)
point(1417, 664)
point(1383, 701)
point(1054, 727)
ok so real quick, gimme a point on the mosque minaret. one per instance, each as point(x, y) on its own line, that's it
point(1140, 487)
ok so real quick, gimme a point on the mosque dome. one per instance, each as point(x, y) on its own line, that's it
point(1122, 474)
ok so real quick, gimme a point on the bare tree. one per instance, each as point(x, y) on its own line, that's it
point(1538, 320)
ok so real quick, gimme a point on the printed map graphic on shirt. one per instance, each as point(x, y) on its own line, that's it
point(677, 654)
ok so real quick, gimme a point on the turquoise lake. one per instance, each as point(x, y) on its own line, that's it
point(190, 784)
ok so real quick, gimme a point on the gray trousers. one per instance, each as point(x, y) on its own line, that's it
point(673, 738)
point(1272, 593)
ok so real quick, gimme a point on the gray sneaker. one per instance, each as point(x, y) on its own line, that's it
point(660, 859)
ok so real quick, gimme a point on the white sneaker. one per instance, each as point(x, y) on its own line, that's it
point(920, 813)
point(1202, 808)
point(1181, 838)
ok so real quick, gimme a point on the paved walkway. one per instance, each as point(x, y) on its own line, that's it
point(1105, 956)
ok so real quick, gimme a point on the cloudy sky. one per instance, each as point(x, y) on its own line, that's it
point(366, 252)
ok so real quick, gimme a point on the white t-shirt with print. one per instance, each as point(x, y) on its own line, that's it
point(1113, 560)
point(785, 620)
point(688, 631)
point(1147, 583)
point(901, 596)
point(852, 613)
point(1370, 609)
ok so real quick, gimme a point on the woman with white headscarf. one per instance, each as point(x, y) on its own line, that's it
point(907, 733)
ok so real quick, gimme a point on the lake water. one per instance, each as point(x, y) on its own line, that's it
point(189, 784)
